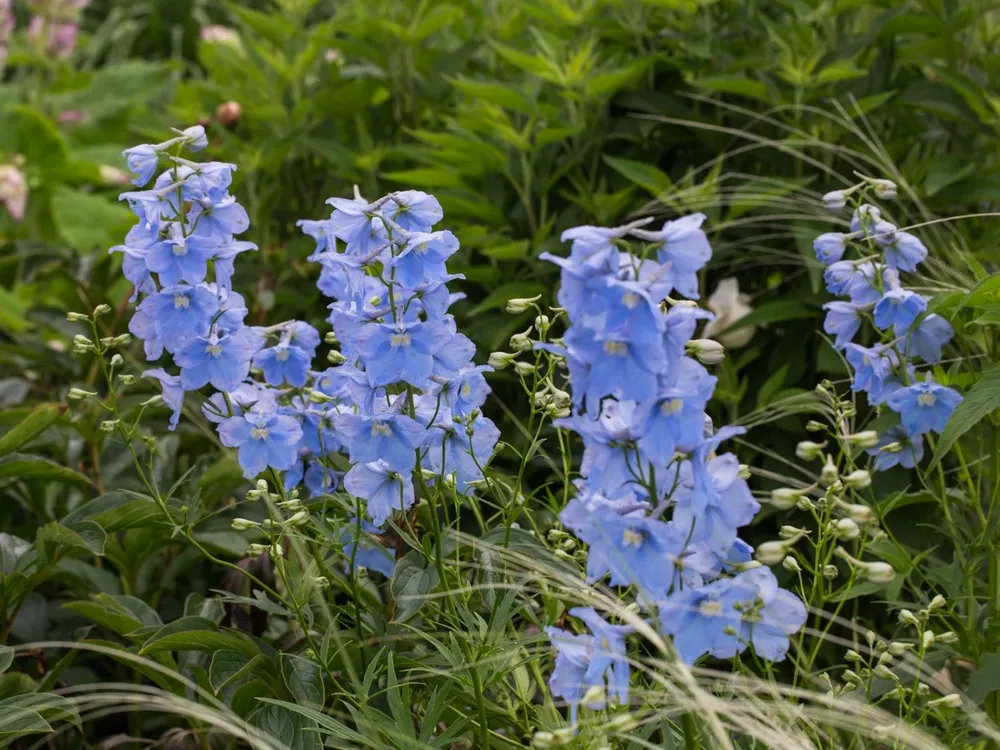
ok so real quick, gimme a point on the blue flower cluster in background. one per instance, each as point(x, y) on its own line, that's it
point(658, 507)
point(404, 396)
point(885, 370)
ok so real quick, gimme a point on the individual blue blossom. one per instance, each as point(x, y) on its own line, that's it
point(625, 310)
point(884, 233)
point(830, 247)
point(244, 397)
point(617, 366)
point(173, 392)
point(415, 211)
point(357, 225)
point(392, 437)
point(181, 311)
point(704, 621)
point(134, 269)
point(684, 250)
point(303, 336)
point(320, 479)
point(673, 419)
point(453, 355)
point(223, 361)
point(283, 363)
point(383, 489)
point(873, 370)
point(370, 554)
point(899, 308)
point(609, 458)
point(770, 614)
point(865, 218)
point(423, 258)
point(578, 514)
point(405, 351)
point(924, 407)
point(465, 392)
point(639, 551)
point(926, 339)
point(142, 162)
point(224, 261)
point(843, 320)
point(178, 259)
point(264, 438)
point(462, 449)
point(319, 430)
point(908, 451)
point(220, 221)
point(196, 139)
point(713, 500)
point(905, 253)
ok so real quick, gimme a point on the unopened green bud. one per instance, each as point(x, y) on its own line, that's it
point(830, 572)
point(524, 368)
point(906, 617)
point(321, 582)
point(257, 550)
point(521, 342)
point(858, 480)
point(75, 317)
point(298, 519)
point(879, 572)
point(845, 528)
point(883, 672)
point(335, 358)
point(954, 700)
point(785, 498)
point(519, 305)
point(809, 451)
point(101, 309)
point(927, 639)
point(117, 361)
point(896, 648)
point(126, 379)
point(814, 426)
point(501, 360)
point(109, 425)
point(707, 351)
point(791, 564)
point(542, 323)
point(829, 473)
point(937, 602)
point(771, 553)
point(866, 439)
point(947, 637)
point(330, 338)
point(244, 524)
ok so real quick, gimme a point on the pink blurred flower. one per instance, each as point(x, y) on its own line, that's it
point(70, 117)
point(220, 34)
point(13, 191)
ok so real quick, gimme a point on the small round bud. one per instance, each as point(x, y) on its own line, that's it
point(809, 451)
point(866, 439)
point(257, 550)
point(829, 474)
point(879, 572)
point(706, 351)
point(520, 342)
point(846, 529)
point(791, 564)
point(785, 498)
point(947, 637)
point(830, 572)
point(835, 200)
point(858, 480)
point(501, 360)
point(524, 368)
point(321, 582)
point(335, 358)
point(542, 323)
point(109, 425)
point(521, 304)
point(78, 393)
point(744, 472)
point(244, 524)
point(885, 189)
point(937, 602)
point(896, 648)
point(117, 361)
point(906, 617)
point(101, 309)
point(330, 337)
point(852, 657)
point(813, 426)
point(75, 317)
point(927, 639)
point(771, 553)
point(126, 379)
point(954, 700)
point(277, 551)
point(883, 672)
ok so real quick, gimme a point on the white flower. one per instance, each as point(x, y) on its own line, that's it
point(729, 306)
point(13, 191)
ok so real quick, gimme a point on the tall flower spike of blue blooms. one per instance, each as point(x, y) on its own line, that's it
point(887, 369)
point(659, 509)
point(409, 394)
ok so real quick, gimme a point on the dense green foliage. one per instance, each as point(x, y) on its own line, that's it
point(524, 118)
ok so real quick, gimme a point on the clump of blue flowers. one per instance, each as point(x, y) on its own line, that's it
point(658, 506)
point(905, 332)
point(402, 399)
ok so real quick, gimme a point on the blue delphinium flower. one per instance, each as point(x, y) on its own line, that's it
point(770, 614)
point(462, 449)
point(924, 407)
point(264, 438)
point(142, 162)
point(283, 363)
point(908, 451)
point(899, 308)
point(223, 361)
point(683, 250)
point(905, 253)
point(830, 247)
point(415, 211)
point(384, 489)
point(927, 338)
point(173, 392)
point(392, 437)
point(843, 320)
point(703, 621)
point(180, 312)
point(873, 370)
point(370, 554)
point(401, 352)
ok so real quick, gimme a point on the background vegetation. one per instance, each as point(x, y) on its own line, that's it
point(524, 119)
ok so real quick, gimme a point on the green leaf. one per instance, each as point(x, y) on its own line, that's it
point(36, 422)
point(197, 634)
point(55, 540)
point(226, 667)
point(23, 466)
point(411, 581)
point(12, 550)
point(982, 399)
point(49, 706)
point(986, 679)
point(733, 85)
point(291, 729)
point(304, 680)
point(494, 93)
point(6, 658)
point(639, 173)
point(115, 511)
point(19, 721)
point(87, 221)
point(120, 613)
point(773, 312)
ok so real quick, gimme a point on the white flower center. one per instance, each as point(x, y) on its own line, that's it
point(671, 406)
point(399, 339)
point(616, 348)
point(181, 302)
point(710, 608)
point(259, 433)
point(926, 399)
point(180, 250)
point(630, 300)
point(632, 538)
point(466, 390)
point(421, 249)
point(381, 428)
point(282, 355)
point(213, 350)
